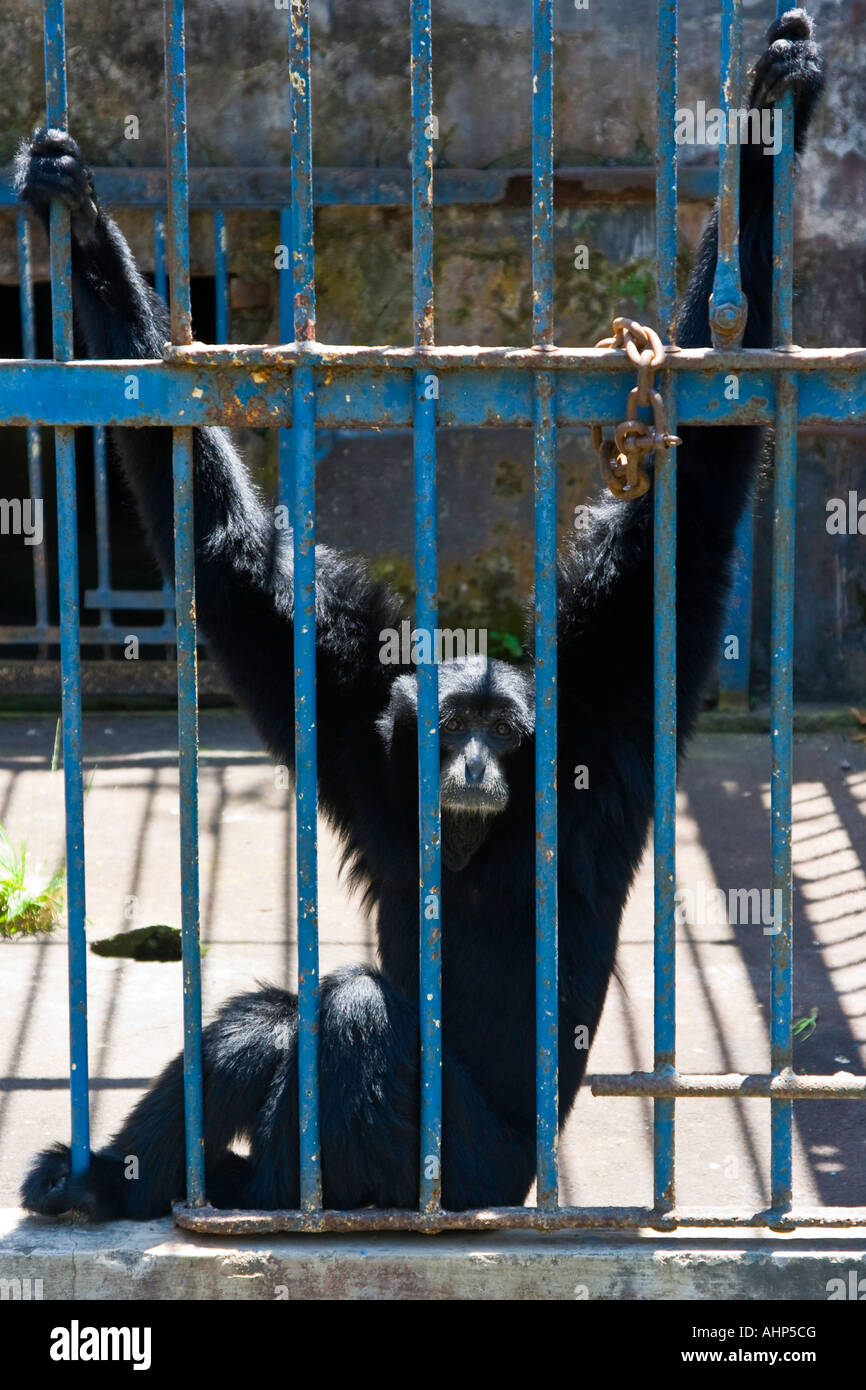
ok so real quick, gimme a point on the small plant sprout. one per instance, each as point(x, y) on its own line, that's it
point(29, 902)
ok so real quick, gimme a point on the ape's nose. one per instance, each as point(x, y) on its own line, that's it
point(475, 764)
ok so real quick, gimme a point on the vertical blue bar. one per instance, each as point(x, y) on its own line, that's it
point(782, 665)
point(285, 470)
point(304, 531)
point(665, 810)
point(187, 730)
point(178, 174)
point(542, 172)
point(304, 285)
point(184, 589)
point(34, 438)
point(70, 655)
point(426, 614)
point(221, 277)
point(728, 307)
point(546, 885)
point(160, 273)
point(664, 625)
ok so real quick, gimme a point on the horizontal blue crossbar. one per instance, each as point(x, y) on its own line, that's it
point(91, 393)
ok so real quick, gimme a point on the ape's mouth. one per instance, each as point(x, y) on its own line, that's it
point(483, 800)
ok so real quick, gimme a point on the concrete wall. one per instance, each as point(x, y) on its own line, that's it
point(605, 89)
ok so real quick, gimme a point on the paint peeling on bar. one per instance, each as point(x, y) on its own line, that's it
point(544, 445)
point(425, 391)
point(211, 1221)
point(304, 543)
point(785, 1085)
point(187, 732)
point(665, 631)
point(178, 172)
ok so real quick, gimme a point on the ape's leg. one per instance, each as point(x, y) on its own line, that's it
point(368, 1069)
point(241, 1051)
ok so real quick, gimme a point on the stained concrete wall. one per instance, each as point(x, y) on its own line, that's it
point(605, 90)
point(154, 1260)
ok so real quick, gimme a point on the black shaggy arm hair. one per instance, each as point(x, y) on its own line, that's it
point(244, 581)
point(606, 576)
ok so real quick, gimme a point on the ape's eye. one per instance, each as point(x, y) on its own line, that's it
point(503, 728)
point(453, 725)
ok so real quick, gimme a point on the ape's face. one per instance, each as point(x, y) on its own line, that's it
point(475, 739)
point(486, 713)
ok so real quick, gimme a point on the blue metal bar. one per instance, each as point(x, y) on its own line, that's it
point(160, 273)
point(426, 615)
point(221, 277)
point(728, 308)
point(304, 541)
point(546, 883)
point(187, 730)
point(665, 811)
point(542, 172)
point(782, 664)
point(473, 392)
point(781, 726)
point(304, 528)
point(70, 656)
point(178, 172)
point(269, 187)
point(184, 593)
point(544, 422)
point(285, 485)
point(97, 636)
point(34, 436)
point(666, 170)
point(304, 285)
point(664, 628)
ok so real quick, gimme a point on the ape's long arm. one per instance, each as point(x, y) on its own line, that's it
point(244, 590)
point(606, 581)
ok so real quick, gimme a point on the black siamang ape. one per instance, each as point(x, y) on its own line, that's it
point(369, 1044)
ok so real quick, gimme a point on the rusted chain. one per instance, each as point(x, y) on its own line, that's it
point(623, 458)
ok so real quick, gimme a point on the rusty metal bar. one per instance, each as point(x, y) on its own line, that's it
point(210, 1221)
point(304, 543)
point(426, 609)
point(538, 358)
point(786, 1085)
point(544, 452)
point(177, 171)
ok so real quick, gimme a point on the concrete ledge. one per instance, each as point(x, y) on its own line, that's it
point(154, 1260)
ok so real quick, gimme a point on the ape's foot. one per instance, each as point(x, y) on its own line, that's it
point(791, 62)
point(50, 167)
point(50, 1189)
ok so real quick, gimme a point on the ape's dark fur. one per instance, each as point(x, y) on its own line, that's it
point(367, 777)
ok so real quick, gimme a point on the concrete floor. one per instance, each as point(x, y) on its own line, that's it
point(248, 927)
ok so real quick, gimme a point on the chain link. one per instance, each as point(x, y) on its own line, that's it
point(624, 458)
